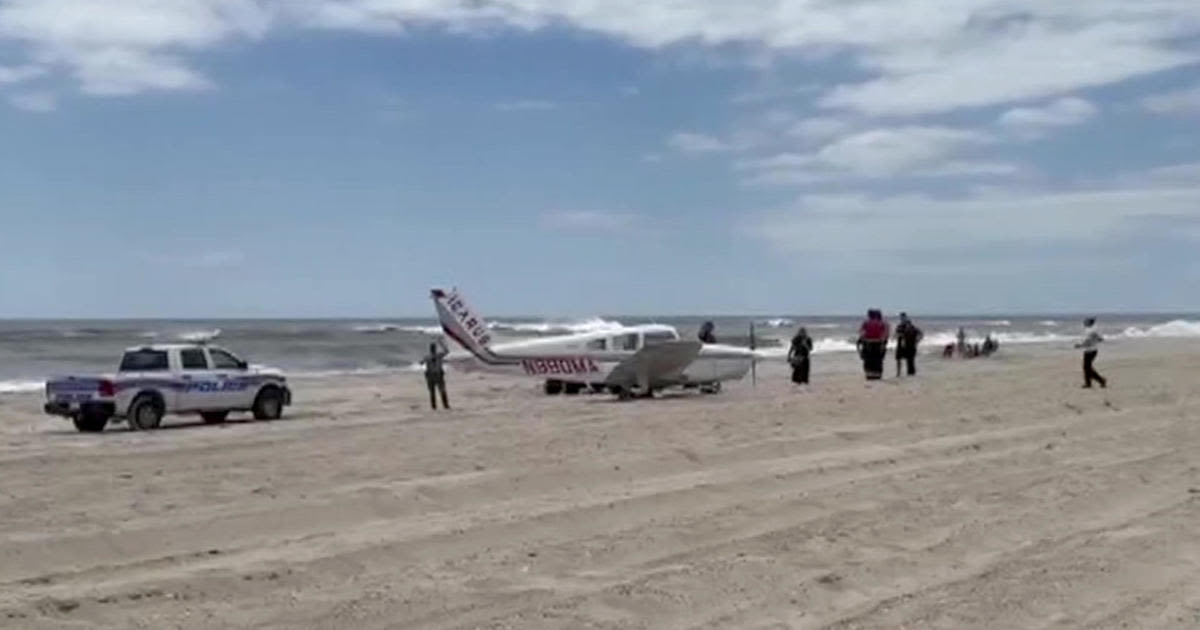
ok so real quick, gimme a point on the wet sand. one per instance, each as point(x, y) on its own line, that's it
point(982, 494)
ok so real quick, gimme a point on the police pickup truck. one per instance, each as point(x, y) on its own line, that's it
point(153, 381)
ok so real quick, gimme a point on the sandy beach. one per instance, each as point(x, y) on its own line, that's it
point(981, 494)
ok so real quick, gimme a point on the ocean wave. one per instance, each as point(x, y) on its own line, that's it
point(375, 328)
point(20, 387)
point(544, 328)
point(777, 322)
point(1173, 328)
point(1048, 322)
point(197, 336)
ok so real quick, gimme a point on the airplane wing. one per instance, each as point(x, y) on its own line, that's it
point(656, 365)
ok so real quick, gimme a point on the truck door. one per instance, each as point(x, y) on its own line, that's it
point(200, 386)
point(235, 391)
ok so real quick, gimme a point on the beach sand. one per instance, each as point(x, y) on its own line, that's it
point(982, 494)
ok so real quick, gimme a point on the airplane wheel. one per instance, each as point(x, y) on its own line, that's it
point(553, 387)
point(711, 388)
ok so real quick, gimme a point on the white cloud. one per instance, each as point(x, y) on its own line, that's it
point(587, 221)
point(820, 128)
point(880, 153)
point(1036, 121)
point(1177, 102)
point(39, 102)
point(16, 74)
point(921, 56)
point(526, 106)
point(867, 226)
point(687, 142)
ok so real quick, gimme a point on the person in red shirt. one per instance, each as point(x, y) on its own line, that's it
point(872, 344)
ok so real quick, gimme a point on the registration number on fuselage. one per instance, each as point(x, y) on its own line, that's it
point(565, 365)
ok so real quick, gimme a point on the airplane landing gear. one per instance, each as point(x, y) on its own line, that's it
point(711, 388)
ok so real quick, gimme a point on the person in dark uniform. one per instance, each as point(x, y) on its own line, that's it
point(435, 374)
point(1090, 343)
point(872, 344)
point(907, 338)
point(798, 356)
point(706, 333)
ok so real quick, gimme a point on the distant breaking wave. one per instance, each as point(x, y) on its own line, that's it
point(1173, 328)
point(593, 324)
point(778, 322)
point(375, 329)
point(20, 387)
point(197, 336)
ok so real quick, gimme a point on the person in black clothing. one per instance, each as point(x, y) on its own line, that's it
point(435, 374)
point(907, 338)
point(706, 333)
point(1090, 345)
point(798, 356)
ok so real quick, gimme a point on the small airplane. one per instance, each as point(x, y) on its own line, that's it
point(627, 361)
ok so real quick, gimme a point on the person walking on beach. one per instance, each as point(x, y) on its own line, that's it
point(435, 375)
point(798, 356)
point(872, 344)
point(962, 342)
point(907, 338)
point(706, 334)
point(1090, 343)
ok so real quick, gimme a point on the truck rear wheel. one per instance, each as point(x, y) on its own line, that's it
point(90, 422)
point(214, 417)
point(268, 405)
point(145, 414)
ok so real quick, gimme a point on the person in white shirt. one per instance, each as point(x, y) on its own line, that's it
point(1090, 343)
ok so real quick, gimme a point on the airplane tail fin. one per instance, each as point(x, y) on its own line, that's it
point(462, 324)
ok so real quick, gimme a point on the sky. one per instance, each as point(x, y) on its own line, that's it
point(322, 158)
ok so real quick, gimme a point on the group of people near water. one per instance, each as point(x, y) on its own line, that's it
point(873, 336)
point(872, 345)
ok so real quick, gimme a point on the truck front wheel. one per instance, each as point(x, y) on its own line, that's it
point(268, 405)
point(145, 414)
point(90, 422)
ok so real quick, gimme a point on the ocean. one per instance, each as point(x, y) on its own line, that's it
point(31, 350)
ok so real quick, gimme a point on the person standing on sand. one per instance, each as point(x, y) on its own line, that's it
point(907, 338)
point(872, 344)
point(435, 374)
point(798, 354)
point(706, 334)
point(1090, 343)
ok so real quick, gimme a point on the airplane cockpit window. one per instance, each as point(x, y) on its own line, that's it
point(597, 344)
point(628, 342)
point(656, 338)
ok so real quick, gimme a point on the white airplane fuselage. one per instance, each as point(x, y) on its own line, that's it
point(593, 355)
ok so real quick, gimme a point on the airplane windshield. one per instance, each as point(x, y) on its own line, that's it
point(656, 338)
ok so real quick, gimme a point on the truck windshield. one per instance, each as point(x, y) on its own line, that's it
point(144, 361)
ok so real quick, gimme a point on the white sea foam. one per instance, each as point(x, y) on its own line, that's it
point(20, 387)
point(778, 322)
point(582, 326)
point(1173, 328)
point(375, 328)
point(196, 336)
point(1048, 322)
